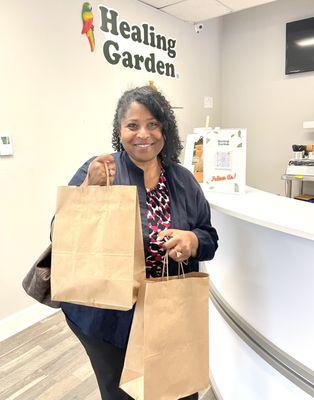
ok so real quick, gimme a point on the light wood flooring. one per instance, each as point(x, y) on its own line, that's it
point(47, 362)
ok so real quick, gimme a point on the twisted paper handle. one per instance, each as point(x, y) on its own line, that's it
point(165, 266)
point(107, 175)
point(84, 184)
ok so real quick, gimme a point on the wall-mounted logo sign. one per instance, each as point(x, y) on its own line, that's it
point(88, 27)
point(137, 47)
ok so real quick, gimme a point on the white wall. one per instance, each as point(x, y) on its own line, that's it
point(57, 101)
point(256, 93)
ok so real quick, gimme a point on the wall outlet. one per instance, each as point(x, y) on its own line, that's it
point(6, 148)
point(208, 102)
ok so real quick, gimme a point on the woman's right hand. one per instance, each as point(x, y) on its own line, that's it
point(96, 174)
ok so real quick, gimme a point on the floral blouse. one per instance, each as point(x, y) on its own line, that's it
point(159, 219)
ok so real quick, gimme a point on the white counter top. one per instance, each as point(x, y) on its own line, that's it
point(266, 209)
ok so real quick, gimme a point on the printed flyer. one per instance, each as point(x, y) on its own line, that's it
point(225, 160)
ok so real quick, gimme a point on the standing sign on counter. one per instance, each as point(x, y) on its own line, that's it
point(225, 160)
point(217, 157)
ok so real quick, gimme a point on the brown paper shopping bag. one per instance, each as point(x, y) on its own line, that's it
point(97, 247)
point(167, 353)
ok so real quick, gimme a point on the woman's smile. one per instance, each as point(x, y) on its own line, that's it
point(143, 146)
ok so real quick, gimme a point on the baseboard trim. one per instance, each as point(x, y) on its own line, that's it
point(23, 319)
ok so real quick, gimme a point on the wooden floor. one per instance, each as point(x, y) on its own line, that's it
point(46, 362)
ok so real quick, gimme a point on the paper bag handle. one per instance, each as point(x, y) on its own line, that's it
point(84, 184)
point(165, 267)
point(107, 175)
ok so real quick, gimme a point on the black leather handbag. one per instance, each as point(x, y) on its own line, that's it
point(37, 281)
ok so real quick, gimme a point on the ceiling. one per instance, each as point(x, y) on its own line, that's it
point(201, 10)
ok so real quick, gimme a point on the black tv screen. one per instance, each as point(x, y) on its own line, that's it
point(300, 46)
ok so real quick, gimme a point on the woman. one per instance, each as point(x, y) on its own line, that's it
point(172, 204)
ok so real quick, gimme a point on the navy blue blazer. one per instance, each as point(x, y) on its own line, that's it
point(189, 211)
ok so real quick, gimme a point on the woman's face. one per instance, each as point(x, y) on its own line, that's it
point(140, 134)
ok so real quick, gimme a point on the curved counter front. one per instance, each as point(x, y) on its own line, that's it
point(262, 297)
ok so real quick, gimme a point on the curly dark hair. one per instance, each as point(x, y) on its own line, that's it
point(160, 109)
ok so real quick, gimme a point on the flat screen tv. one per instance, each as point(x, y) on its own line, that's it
point(300, 46)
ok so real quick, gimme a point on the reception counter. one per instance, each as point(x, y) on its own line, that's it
point(262, 297)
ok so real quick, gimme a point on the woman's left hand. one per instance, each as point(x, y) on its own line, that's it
point(181, 245)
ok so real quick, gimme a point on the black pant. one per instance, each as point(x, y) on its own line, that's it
point(107, 362)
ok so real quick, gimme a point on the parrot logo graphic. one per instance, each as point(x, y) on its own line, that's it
point(88, 27)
